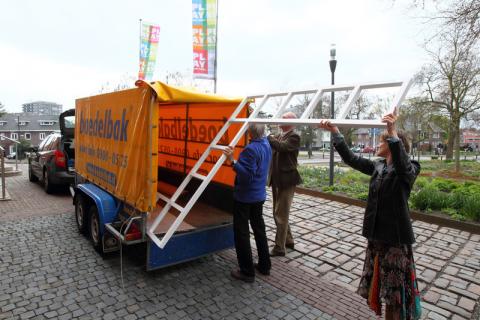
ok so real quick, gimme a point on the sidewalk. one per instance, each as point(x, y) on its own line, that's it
point(320, 274)
point(329, 246)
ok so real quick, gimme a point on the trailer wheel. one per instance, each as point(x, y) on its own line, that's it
point(81, 213)
point(95, 229)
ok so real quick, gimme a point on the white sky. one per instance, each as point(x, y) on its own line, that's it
point(58, 51)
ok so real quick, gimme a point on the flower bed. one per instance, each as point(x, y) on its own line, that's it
point(433, 191)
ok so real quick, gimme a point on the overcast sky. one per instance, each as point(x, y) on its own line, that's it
point(62, 50)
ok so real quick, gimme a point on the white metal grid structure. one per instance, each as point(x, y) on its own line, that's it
point(355, 91)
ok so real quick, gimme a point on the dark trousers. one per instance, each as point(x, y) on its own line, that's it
point(242, 213)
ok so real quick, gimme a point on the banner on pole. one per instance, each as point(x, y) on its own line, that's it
point(204, 27)
point(149, 35)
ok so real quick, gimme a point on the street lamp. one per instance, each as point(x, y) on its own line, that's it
point(333, 65)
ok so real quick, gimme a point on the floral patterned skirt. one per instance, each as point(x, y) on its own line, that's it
point(389, 277)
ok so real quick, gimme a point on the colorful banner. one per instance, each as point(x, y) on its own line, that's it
point(149, 35)
point(204, 24)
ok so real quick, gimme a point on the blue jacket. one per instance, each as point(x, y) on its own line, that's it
point(252, 171)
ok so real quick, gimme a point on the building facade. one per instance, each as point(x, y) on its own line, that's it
point(42, 108)
point(471, 138)
point(31, 127)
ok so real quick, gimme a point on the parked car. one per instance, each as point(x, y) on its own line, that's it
point(53, 160)
point(467, 148)
point(356, 149)
point(368, 149)
point(11, 155)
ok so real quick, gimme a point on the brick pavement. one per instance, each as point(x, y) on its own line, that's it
point(49, 271)
point(317, 279)
point(329, 246)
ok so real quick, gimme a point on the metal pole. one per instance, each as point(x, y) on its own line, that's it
point(333, 65)
point(3, 173)
point(216, 50)
point(16, 144)
point(140, 47)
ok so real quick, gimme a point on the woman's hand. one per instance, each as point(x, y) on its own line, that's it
point(390, 119)
point(327, 125)
point(228, 152)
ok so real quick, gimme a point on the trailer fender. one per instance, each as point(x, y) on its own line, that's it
point(108, 207)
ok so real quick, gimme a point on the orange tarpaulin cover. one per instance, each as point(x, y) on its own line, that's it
point(122, 137)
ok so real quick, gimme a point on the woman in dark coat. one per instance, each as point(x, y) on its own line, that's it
point(389, 270)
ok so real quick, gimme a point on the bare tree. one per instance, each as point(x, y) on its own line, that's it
point(452, 82)
point(124, 82)
point(465, 13)
point(416, 118)
point(175, 78)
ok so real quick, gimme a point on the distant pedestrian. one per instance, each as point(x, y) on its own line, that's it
point(389, 269)
point(249, 195)
point(284, 177)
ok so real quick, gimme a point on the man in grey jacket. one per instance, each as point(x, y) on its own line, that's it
point(284, 177)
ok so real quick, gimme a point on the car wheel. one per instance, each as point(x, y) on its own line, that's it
point(95, 229)
point(47, 184)
point(31, 176)
point(81, 213)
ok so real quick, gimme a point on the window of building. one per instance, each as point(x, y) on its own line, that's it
point(2, 136)
point(435, 135)
point(23, 123)
point(11, 148)
point(42, 135)
point(14, 135)
point(2, 123)
point(46, 123)
point(28, 136)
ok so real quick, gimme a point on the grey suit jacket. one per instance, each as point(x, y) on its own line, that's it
point(283, 169)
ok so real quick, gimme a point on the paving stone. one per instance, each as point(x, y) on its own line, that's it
point(431, 297)
point(63, 274)
point(435, 316)
point(27, 315)
point(466, 304)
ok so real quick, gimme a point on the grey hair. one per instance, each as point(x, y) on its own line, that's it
point(256, 130)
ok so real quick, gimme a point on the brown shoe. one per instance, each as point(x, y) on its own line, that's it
point(290, 246)
point(275, 253)
point(237, 274)
point(265, 273)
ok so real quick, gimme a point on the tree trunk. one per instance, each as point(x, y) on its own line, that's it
point(451, 139)
point(457, 146)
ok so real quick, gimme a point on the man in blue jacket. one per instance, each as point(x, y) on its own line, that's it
point(249, 195)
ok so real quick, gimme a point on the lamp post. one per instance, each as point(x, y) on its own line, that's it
point(16, 144)
point(333, 65)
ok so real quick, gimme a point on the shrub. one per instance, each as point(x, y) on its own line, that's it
point(420, 200)
point(430, 198)
point(420, 183)
point(471, 207)
point(456, 199)
point(445, 185)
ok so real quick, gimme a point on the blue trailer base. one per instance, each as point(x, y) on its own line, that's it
point(190, 245)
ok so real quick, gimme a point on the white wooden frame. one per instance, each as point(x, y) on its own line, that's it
point(355, 91)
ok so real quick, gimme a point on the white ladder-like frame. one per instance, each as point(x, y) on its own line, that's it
point(303, 120)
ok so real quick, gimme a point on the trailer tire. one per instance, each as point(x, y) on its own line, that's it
point(95, 229)
point(81, 216)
